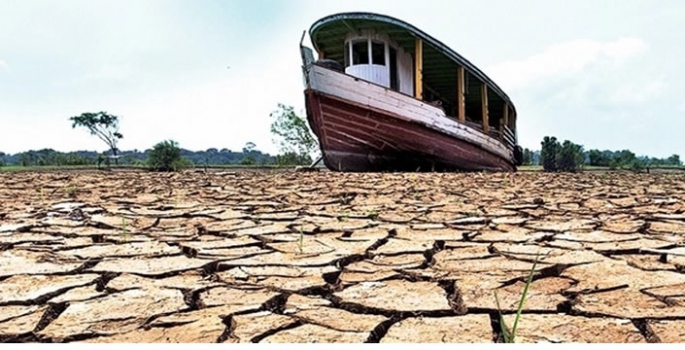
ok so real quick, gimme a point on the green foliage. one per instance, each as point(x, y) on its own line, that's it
point(248, 152)
point(569, 157)
point(638, 165)
point(509, 335)
point(101, 124)
point(292, 158)
point(674, 160)
point(527, 157)
point(613, 164)
point(46, 156)
point(166, 156)
point(548, 154)
point(598, 158)
point(628, 159)
point(293, 132)
point(2, 159)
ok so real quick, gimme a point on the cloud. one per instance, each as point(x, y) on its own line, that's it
point(601, 94)
point(638, 92)
point(564, 60)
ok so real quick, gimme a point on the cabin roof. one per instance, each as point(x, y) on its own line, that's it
point(439, 61)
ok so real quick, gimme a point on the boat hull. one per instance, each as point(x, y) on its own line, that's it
point(356, 138)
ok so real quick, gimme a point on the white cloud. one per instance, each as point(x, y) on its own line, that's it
point(638, 92)
point(564, 60)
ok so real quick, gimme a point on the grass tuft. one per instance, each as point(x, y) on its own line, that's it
point(510, 334)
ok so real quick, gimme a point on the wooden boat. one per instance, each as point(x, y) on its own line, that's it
point(385, 96)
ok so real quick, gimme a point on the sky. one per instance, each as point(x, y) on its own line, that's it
point(207, 73)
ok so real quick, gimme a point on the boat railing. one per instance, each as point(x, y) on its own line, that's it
point(508, 136)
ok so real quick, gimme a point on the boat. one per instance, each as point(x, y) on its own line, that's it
point(385, 96)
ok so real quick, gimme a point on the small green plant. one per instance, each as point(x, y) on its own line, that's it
point(124, 230)
point(72, 191)
point(373, 214)
point(510, 334)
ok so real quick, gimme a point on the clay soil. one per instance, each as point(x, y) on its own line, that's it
point(334, 257)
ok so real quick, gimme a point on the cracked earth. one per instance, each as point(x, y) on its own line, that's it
point(331, 257)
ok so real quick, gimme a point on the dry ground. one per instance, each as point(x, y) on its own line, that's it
point(330, 257)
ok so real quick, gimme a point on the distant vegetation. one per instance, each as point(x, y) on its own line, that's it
point(212, 156)
point(292, 133)
point(570, 157)
point(166, 156)
point(297, 144)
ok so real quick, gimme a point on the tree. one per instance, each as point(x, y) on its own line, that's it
point(166, 156)
point(248, 154)
point(103, 125)
point(527, 157)
point(249, 147)
point(2, 159)
point(625, 157)
point(674, 160)
point(548, 154)
point(293, 132)
point(598, 158)
point(569, 157)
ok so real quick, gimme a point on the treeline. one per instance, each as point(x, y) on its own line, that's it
point(571, 157)
point(211, 156)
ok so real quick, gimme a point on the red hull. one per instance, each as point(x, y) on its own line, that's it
point(358, 139)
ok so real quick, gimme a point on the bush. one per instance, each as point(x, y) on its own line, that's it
point(570, 157)
point(166, 156)
point(567, 157)
point(548, 153)
point(292, 158)
point(637, 166)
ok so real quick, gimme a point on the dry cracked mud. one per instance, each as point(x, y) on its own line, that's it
point(333, 257)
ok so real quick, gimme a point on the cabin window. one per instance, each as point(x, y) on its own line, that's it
point(360, 52)
point(378, 53)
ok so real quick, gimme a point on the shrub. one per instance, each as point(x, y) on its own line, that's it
point(166, 156)
point(548, 153)
point(292, 158)
point(569, 157)
point(638, 165)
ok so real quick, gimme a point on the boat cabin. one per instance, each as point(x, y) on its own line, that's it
point(401, 58)
point(378, 59)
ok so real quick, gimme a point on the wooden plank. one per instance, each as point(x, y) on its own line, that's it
point(374, 96)
point(321, 55)
point(505, 119)
point(484, 109)
point(461, 99)
point(418, 69)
